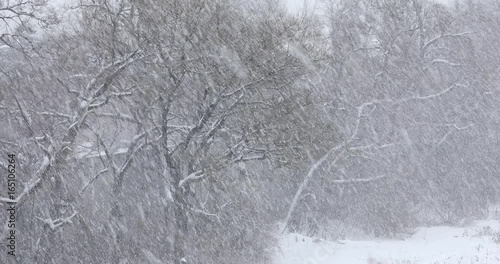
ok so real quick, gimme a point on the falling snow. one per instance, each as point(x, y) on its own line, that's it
point(235, 131)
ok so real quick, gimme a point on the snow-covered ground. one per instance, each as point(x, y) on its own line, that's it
point(476, 243)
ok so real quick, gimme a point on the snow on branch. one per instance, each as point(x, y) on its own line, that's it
point(405, 99)
point(121, 94)
point(242, 88)
point(373, 146)
point(453, 127)
point(54, 114)
point(431, 96)
point(9, 143)
point(242, 158)
point(95, 88)
point(444, 61)
point(118, 116)
point(107, 153)
point(343, 146)
point(93, 180)
point(44, 167)
point(306, 180)
point(24, 114)
point(131, 151)
point(359, 180)
point(205, 213)
point(53, 224)
point(195, 176)
point(434, 40)
point(109, 72)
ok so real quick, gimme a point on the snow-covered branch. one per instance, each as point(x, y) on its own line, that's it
point(107, 153)
point(118, 116)
point(54, 114)
point(32, 184)
point(343, 146)
point(306, 180)
point(195, 176)
point(44, 167)
point(133, 148)
point(53, 224)
point(205, 213)
point(372, 146)
point(121, 94)
point(92, 180)
point(108, 73)
point(71, 133)
point(359, 180)
point(453, 127)
point(434, 40)
point(9, 143)
point(444, 61)
point(24, 114)
point(242, 158)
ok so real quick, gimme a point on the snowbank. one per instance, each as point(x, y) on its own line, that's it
point(478, 243)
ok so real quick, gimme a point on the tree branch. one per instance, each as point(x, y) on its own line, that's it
point(195, 176)
point(53, 224)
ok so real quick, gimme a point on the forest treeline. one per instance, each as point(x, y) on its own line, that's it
point(193, 131)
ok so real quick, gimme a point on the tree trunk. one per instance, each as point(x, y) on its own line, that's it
point(180, 218)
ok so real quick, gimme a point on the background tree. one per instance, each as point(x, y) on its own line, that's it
point(187, 130)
